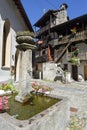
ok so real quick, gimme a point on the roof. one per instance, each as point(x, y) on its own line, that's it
point(23, 14)
point(44, 18)
point(71, 23)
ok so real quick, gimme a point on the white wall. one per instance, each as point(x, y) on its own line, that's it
point(9, 10)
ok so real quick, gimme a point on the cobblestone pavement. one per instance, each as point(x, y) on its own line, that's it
point(77, 122)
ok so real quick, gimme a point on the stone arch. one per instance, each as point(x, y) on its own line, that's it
point(6, 45)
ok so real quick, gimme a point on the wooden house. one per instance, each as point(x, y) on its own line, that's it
point(57, 42)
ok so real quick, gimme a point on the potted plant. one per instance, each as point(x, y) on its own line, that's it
point(41, 88)
point(74, 60)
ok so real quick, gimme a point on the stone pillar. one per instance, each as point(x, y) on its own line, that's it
point(25, 71)
point(25, 46)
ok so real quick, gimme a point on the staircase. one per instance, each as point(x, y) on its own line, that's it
point(51, 71)
point(64, 50)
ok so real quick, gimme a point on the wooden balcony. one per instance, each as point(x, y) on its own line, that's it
point(53, 42)
point(79, 36)
point(40, 59)
point(40, 31)
point(82, 56)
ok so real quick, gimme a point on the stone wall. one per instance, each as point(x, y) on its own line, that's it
point(49, 71)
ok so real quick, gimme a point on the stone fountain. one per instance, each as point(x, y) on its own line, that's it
point(25, 47)
point(55, 117)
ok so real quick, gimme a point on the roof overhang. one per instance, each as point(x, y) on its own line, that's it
point(71, 23)
point(44, 18)
point(23, 14)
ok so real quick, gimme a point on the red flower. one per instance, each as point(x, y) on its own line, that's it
point(33, 84)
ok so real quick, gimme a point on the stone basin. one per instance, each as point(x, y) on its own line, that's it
point(55, 117)
point(2, 92)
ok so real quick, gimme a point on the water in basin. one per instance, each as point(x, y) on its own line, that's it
point(35, 105)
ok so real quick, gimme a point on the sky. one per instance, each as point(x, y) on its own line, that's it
point(36, 8)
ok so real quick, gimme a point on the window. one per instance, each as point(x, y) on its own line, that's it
point(6, 47)
point(65, 67)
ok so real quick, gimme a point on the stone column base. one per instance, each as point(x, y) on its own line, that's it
point(22, 99)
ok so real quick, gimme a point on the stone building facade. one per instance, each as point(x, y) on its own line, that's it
point(59, 42)
point(45, 65)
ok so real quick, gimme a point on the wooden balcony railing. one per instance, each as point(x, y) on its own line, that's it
point(43, 58)
point(53, 42)
point(82, 56)
point(79, 36)
point(40, 31)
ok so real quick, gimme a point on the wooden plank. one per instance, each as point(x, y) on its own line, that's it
point(63, 52)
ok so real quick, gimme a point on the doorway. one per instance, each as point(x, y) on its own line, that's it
point(85, 72)
point(75, 72)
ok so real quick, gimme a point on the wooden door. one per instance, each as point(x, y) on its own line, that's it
point(75, 72)
point(85, 72)
point(65, 67)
